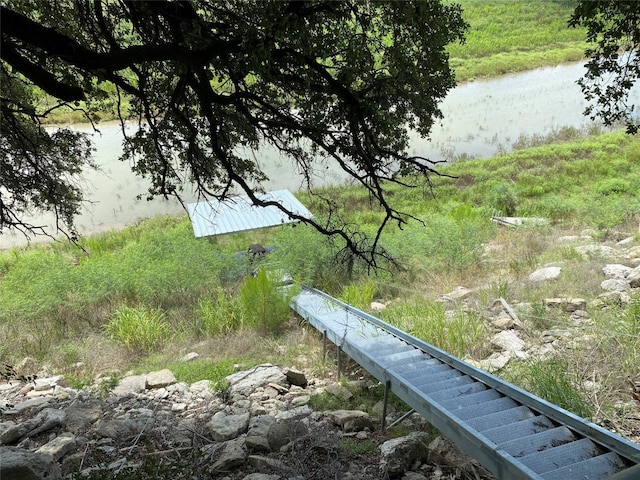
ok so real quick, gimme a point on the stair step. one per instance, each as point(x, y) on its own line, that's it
point(446, 384)
point(519, 429)
point(500, 418)
point(463, 401)
point(560, 456)
point(594, 468)
point(537, 442)
point(503, 403)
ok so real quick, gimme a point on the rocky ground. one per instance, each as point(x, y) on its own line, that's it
point(262, 427)
point(151, 426)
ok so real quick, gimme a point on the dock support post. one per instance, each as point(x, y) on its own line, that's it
point(402, 418)
point(324, 346)
point(338, 350)
point(387, 387)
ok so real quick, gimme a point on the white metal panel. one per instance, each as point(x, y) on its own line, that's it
point(238, 214)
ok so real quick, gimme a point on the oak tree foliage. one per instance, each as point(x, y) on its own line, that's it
point(210, 81)
point(613, 66)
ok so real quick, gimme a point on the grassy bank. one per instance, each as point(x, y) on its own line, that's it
point(506, 37)
point(142, 297)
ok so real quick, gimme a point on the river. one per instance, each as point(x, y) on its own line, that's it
point(481, 119)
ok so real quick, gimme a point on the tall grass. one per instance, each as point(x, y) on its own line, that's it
point(265, 305)
point(554, 381)
point(139, 329)
point(462, 334)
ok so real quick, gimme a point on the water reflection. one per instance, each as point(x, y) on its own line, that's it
point(480, 119)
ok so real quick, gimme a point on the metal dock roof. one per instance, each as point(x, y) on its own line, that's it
point(238, 214)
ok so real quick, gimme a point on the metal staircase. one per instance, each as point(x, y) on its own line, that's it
point(511, 432)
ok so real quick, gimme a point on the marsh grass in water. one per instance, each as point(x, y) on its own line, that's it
point(506, 37)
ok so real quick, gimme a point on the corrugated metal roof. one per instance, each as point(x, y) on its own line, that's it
point(238, 214)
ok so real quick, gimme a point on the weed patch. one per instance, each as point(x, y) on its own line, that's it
point(140, 329)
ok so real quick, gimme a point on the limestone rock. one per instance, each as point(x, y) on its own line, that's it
point(546, 273)
point(615, 285)
point(494, 362)
point(399, 454)
point(190, 357)
point(284, 432)
point(244, 383)
point(223, 427)
point(568, 305)
point(35, 404)
point(596, 251)
point(257, 439)
point(634, 278)
point(377, 306)
point(615, 270)
point(458, 293)
point(120, 428)
point(508, 340)
point(296, 377)
point(59, 446)
point(130, 385)
point(19, 464)
point(351, 420)
point(82, 413)
point(46, 420)
point(339, 391)
point(233, 455)
point(160, 379)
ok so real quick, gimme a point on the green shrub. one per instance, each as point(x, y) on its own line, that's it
point(502, 197)
point(140, 329)
point(218, 313)
point(265, 306)
point(359, 295)
point(612, 186)
point(303, 253)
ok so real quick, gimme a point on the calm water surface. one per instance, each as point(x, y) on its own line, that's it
point(480, 119)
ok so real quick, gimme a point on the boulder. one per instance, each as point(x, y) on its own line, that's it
point(546, 273)
point(598, 251)
point(121, 429)
point(283, 432)
point(223, 427)
point(82, 413)
point(233, 454)
point(160, 379)
point(244, 383)
point(615, 270)
point(351, 420)
point(399, 454)
point(339, 391)
point(130, 385)
point(257, 435)
point(494, 362)
point(634, 278)
point(615, 285)
point(19, 464)
point(296, 377)
point(508, 340)
point(59, 446)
